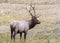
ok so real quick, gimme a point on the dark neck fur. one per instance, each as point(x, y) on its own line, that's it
point(32, 24)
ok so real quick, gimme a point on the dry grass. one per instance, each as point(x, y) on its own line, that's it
point(49, 17)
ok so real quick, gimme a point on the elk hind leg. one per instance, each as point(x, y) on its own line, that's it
point(14, 35)
point(20, 35)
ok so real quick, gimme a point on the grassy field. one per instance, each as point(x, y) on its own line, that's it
point(6, 39)
point(46, 32)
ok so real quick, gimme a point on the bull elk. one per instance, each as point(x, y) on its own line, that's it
point(23, 26)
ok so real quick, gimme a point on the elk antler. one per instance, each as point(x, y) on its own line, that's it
point(29, 10)
point(33, 7)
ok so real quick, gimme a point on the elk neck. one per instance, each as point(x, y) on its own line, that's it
point(31, 24)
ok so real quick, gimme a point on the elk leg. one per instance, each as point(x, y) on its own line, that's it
point(11, 34)
point(11, 31)
point(25, 35)
point(20, 35)
point(14, 36)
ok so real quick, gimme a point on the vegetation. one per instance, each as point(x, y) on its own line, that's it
point(46, 32)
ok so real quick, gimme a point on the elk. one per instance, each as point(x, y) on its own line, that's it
point(23, 26)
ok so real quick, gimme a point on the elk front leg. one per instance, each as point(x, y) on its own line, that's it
point(25, 33)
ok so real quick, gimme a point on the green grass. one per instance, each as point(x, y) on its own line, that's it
point(6, 39)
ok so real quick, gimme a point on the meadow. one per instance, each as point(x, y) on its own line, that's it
point(46, 32)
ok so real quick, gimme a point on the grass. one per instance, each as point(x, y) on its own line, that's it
point(6, 39)
point(48, 22)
